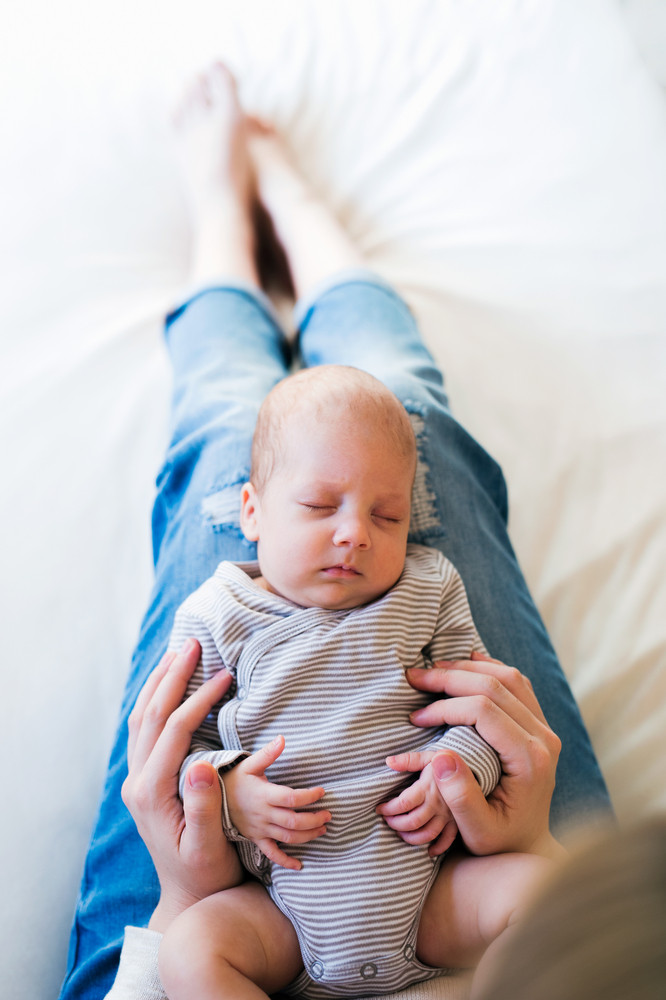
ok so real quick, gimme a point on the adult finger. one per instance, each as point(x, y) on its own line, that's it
point(162, 699)
point(172, 744)
point(461, 684)
point(440, 677)
point(518, 749)
point(145, 694)
point(462, 794)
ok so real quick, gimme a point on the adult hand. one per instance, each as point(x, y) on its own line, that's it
point(500, 703)
point(185, 839)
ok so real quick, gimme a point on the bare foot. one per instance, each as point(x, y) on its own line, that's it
point(279, 182)
point(211, 131)
point(315, 244)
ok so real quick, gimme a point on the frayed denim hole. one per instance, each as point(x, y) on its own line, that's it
point(426, 520)
point(221, 507)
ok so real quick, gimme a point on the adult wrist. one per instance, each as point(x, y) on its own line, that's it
point(548, 847)
point(170, 906)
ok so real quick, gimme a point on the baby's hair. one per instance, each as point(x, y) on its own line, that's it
point(327, 392)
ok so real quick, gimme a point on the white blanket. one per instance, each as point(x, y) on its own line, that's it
point(503, 164)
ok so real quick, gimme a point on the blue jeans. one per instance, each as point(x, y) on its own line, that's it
point(228, 350)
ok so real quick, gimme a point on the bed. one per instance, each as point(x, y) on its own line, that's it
point(503, 163)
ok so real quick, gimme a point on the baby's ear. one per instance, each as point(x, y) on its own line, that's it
point(249, 512)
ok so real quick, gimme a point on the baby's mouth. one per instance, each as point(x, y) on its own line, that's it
point(341, 570)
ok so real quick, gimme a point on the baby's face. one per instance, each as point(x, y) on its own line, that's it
point(332, 522)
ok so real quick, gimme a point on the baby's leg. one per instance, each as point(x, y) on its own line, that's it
point(472, 907)
point(236, 944)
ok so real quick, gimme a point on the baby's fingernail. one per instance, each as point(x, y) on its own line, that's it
point(186, 647)
point(443, 765)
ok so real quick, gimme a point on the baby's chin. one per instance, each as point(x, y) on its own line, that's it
point(331, 592)
point(336, 595)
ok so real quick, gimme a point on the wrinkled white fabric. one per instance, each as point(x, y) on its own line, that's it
point(503, 164)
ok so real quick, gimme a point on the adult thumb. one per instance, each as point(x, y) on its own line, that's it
point(202, 800)
point(461, 792)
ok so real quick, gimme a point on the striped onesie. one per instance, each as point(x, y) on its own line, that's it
point(333, 683)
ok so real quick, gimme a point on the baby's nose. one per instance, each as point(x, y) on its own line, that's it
point(353, 530)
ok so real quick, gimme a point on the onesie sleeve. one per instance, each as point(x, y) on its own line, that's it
point(482, 760)
point(191, 623)
point(455, 635)
point(138, 977)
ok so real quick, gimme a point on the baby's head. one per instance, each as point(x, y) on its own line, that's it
point(329, 497)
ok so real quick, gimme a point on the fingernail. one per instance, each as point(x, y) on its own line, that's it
point(444, 765)
point(200, 776)
point(186, 647)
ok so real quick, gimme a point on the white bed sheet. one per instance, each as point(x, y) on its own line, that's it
point(503, 163)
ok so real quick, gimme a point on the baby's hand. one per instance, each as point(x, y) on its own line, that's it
point(419, 814)
point(267, 813)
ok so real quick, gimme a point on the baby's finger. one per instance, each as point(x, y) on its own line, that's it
point(424, 834)
point(278, 856)
point(410, 798)
point(414, 760)
point(288, 836)
point(412, 821)
point(288, 819)
point(258, 762)
point(293, 798)
point(445, 839)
